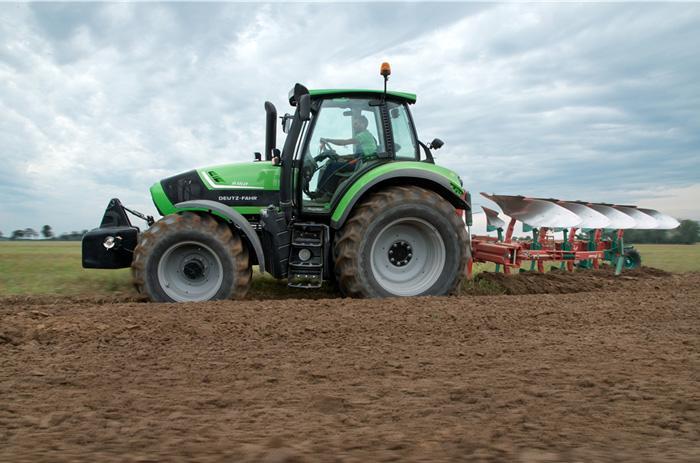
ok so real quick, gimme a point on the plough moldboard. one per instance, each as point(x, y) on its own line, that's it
point(591, 233)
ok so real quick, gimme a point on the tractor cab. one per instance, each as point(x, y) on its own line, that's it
point(348, 134)
point(336, 136)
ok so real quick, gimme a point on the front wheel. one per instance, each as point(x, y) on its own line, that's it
point(189, 257)
point(402, 242)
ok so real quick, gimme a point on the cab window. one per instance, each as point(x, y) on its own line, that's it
point(405, 145)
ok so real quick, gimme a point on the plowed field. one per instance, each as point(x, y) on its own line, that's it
point(612, 374)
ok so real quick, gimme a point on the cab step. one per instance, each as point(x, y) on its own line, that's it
point(307, 256)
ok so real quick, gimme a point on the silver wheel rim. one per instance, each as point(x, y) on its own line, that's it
point(190, 271)
point(407, 257)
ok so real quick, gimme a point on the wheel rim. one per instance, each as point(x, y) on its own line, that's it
point(190, 271)
point(408, 257)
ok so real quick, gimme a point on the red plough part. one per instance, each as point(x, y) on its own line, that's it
point(584, 243)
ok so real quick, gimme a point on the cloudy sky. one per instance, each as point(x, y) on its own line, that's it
point(578, 101)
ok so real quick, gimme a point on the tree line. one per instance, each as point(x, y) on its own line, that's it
point(46, 232)
point(687, 233)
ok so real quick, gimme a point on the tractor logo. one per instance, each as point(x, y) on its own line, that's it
point(238, 198)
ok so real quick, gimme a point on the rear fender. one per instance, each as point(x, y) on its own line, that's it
point(429, 177)
point(231, 216)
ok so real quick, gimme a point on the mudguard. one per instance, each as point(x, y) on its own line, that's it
point(232, 216)
point(441, 180)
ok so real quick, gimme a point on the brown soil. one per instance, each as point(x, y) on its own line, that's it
point(607, 375)
point(561, 282)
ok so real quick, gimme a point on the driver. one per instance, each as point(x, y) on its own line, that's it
point(365, 143)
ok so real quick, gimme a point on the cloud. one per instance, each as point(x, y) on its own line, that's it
point(592, 101)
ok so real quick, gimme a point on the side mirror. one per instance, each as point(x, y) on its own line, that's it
point(436, 144)
point(286, 123)
point(305, 107)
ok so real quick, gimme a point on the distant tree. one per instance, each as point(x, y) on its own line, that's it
point(17, 234)
point(30, 233)
point(46, 231)
point(72, 236)
point(688, 232)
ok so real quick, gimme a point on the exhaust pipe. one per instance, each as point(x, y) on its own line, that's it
point(270, 130)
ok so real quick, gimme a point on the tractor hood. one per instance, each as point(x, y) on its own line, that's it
point(260, 175)
point(245, 186)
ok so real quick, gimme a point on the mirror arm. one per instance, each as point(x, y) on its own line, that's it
point(428, 155)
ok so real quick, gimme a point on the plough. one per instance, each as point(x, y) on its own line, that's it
point(591, 233)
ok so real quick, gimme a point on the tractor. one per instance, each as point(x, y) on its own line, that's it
point(353, 197)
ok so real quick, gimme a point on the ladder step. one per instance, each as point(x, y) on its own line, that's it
point(305, 265)
point(311, 279)
point(308, 243)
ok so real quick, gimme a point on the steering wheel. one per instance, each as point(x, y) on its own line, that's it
point(325, 152)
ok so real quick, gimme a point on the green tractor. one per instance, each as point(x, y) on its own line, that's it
point(353, 197)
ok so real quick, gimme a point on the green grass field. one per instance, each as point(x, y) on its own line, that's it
point(54, 267)
point(36, 267)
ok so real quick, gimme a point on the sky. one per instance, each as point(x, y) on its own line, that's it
point(593, 101)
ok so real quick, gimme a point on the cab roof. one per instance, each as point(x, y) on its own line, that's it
point(404, 96)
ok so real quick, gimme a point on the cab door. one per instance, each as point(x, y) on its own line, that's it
point(344, 137)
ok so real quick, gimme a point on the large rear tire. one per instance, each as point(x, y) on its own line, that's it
point(190, 257)
point(402, 241)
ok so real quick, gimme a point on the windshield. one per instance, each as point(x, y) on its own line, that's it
point(352, 122)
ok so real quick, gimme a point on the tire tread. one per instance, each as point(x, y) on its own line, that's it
point(185, 221)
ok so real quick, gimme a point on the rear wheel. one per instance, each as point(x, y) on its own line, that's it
point(401, 242)
point(190, 257)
